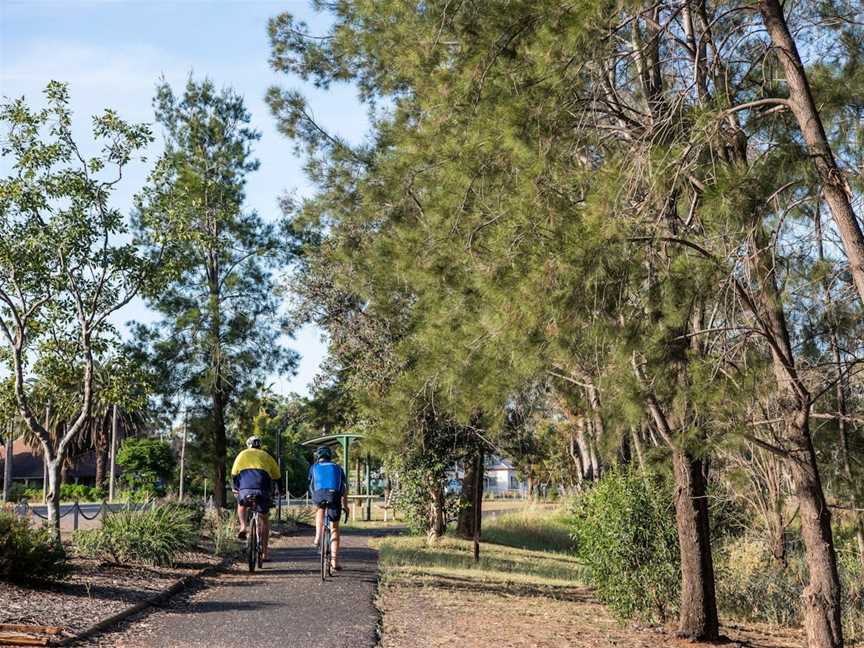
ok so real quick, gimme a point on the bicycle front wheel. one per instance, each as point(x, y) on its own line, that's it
point(325, 552)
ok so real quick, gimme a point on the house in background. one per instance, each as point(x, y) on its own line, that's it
point(500, 479)
point(28, 467)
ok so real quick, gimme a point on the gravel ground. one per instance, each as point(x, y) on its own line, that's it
point(94, 591)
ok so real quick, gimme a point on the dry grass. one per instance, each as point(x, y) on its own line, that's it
point(523, 596)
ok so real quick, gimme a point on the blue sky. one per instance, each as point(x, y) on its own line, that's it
point(112, 52)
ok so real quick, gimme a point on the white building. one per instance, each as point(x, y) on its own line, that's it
point(501, 479)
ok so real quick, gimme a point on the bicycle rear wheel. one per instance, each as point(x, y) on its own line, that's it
point(252, 542)
point(259, 553)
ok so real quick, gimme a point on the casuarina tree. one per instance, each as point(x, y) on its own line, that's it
point(220, 311)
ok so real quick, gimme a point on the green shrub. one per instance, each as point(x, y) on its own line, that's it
point(624, 529)
point(149, 536)
point(147, 464)
point(221, 527)
point(28, 553)
point(299, 515)
point(193, 507)
point(31, 494)
point(136, 495)
point(82, 493)
point(17, 491)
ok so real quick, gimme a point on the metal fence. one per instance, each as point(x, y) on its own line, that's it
point(77, 511)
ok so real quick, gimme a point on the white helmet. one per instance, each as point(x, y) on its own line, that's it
point(253, 442)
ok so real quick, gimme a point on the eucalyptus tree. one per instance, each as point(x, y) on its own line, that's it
point(65, 263)
point(220, 311)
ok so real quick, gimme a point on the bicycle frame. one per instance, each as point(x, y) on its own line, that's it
point(325, 548)
point(254, 548)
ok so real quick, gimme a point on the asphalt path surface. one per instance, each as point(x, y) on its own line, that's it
point(284, 604)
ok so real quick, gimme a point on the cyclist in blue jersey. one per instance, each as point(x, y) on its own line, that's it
point(329, 488)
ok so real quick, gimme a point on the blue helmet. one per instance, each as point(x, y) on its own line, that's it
point(323, 453)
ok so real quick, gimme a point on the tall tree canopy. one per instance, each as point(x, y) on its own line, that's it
point(616, 201)
point(220, 312)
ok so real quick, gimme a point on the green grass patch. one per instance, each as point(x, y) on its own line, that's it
point(526, 548)
point(532, 528)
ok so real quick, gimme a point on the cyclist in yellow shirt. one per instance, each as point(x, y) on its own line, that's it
point(254, 475)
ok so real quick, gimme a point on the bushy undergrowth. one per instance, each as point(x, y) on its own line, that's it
point(28, 553)
point(150, 536)
point(753, 586)
point(852, 583)
point(624, 529)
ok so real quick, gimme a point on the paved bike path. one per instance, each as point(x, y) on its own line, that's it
point(285, 604)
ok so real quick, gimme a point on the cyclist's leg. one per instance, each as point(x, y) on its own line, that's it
point(264, 526)
point(241, 516)
point(334, 542)
point(319, 523)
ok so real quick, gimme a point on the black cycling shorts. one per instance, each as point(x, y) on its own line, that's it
point(329, 500)
point(262, 504)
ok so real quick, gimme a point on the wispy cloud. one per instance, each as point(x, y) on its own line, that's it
point(120, 77)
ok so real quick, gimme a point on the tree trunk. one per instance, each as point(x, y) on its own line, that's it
point(7, 462)
point(697, 619)
point(576, 456)
point(218, 394)
point(777, 534)
point(103, 445)
point(821, 598)
point(467, 514)
point(584, 445)
point(52, 499)
point(834, 186)
point(437, 523)
point(625, 453)
point(220, 447)
point(637, 446)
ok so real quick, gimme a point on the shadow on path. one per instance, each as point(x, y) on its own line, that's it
point(282, 604)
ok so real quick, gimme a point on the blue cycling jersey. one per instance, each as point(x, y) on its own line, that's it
point(326, 475)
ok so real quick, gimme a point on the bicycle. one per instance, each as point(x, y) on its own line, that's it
point(254, 548)
point(326, 564)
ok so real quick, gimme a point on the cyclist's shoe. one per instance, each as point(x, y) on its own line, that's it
point(241, 535)
point(336, 567)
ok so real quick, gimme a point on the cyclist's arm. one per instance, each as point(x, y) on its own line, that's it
point(235, 475)
point(273, 471)
point(344, 490)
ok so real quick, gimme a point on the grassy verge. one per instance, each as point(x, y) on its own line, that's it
point(526, 548)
